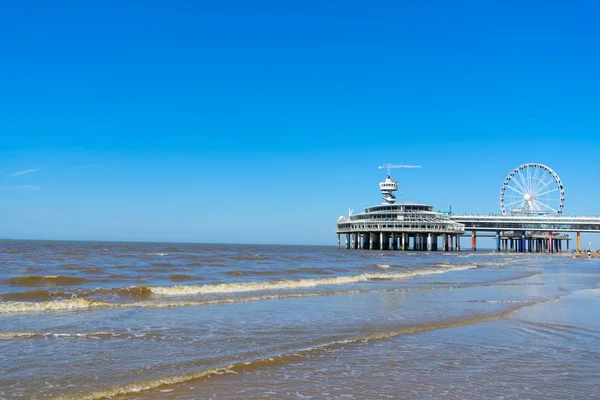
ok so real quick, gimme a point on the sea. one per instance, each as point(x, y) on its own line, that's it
point(93, 320)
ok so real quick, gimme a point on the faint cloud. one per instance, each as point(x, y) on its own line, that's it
point(31, 187)
point(26, 171)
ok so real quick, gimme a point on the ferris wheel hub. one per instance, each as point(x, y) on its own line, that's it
point(527, 197)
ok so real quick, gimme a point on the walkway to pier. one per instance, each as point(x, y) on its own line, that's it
point(528, 233)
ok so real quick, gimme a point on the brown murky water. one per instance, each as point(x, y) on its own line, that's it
point(182, 321)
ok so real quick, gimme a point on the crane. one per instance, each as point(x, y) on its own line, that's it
point(390, 166)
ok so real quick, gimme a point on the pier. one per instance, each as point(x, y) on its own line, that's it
point(531, 219)
point(533, 233)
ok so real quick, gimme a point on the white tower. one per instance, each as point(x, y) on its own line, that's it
point(390, 185)
point(387, 188)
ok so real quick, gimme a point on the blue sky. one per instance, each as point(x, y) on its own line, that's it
point(262, 122)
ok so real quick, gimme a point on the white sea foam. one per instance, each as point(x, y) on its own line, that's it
point(11, 307)
point(295, 284)
point(88, 335)
point(82, 303)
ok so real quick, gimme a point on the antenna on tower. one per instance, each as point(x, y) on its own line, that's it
point(391, 185)
point(390, 166)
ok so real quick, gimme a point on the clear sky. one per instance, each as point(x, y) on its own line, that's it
point(263, 121)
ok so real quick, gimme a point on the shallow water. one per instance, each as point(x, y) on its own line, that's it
point(148, 320)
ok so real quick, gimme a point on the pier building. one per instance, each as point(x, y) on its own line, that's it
point(404, 226)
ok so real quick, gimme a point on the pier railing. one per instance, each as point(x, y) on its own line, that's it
point(399, 226)
point(529, 223)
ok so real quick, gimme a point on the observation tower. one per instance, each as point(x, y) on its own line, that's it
point(404, 226)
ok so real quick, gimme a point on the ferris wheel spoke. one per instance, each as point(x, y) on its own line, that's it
point(524, 183)
point(520, 185)
point(512, 188)
point(530, 180)
point(547, 192)
point(535, 179)
point(546, 206)
point(514, 202)
point(538, 184)
point(546, 184)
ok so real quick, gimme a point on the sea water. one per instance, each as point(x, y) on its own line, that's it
point(181, 321)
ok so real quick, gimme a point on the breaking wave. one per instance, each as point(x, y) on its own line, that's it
point(293, 284)
point(12, 307)
point(15, 307)
point(85, 335)
point(145, 292)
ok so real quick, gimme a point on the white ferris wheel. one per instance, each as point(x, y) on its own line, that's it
point(532, 189)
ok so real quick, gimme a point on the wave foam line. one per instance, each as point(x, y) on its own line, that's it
point(294, 284)
point(255, 364)
point(14, 307)
point(85, 335)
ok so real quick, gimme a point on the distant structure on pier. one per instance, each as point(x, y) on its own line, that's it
point(404, 226)
point(532, 199)
point(532, 189)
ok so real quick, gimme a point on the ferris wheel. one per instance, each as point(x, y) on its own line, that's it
point(532, 189)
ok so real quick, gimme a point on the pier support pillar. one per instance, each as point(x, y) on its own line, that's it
point(578, 241)
point(498, 241)
point(523, 242)
point(567, 240)
point(347, 240)
point(380, 240)
point(371, 236)
point(550, 243)
point(457, 242)
point(474, 240)
point(338, 240)
point(429, 243)
point(404, 241)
